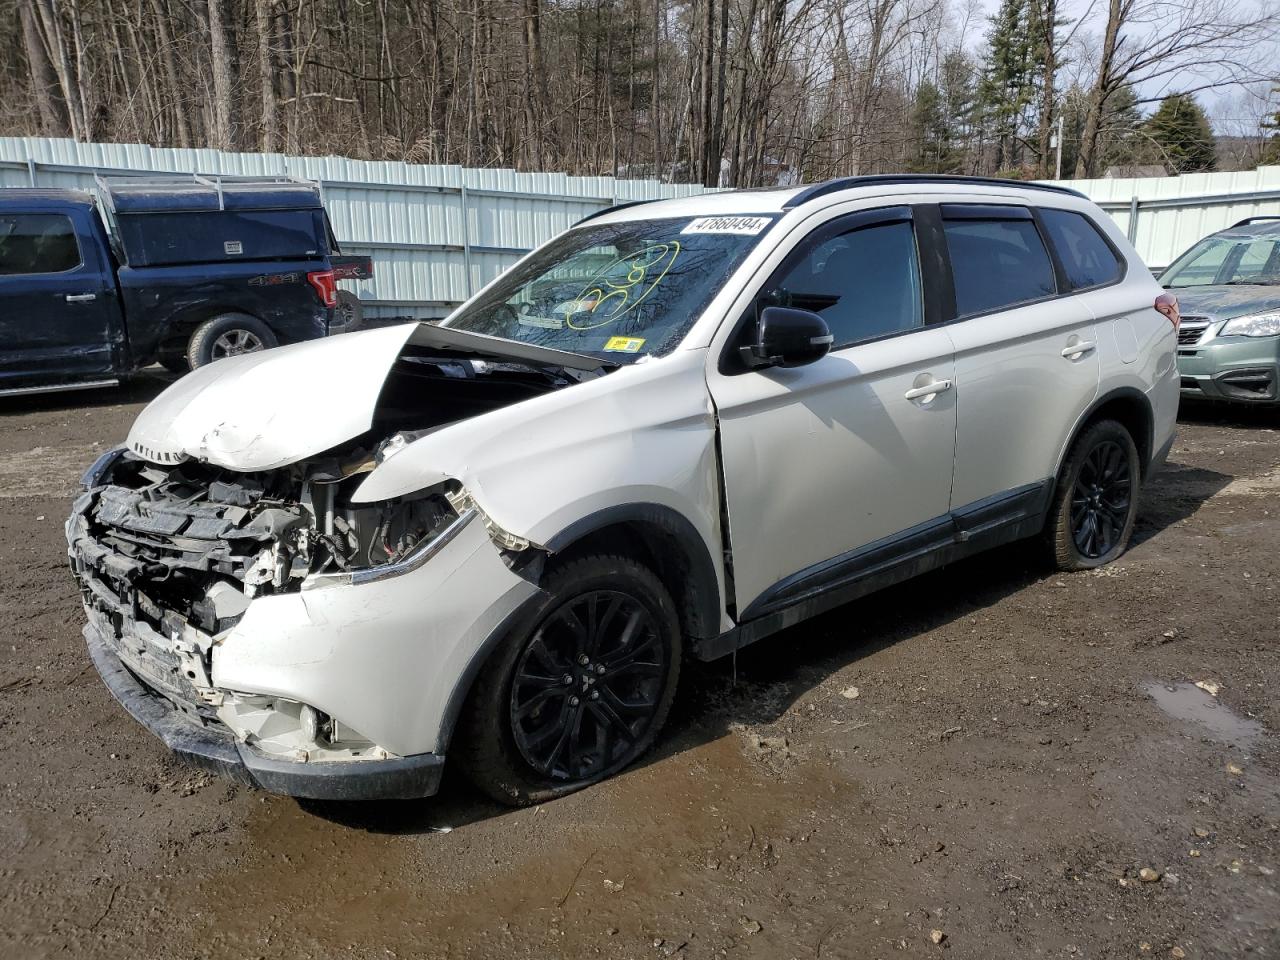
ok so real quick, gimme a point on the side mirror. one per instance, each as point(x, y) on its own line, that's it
point(787, 337)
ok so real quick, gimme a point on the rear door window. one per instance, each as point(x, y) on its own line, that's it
point(997, 258)
point(1086, 257)
point(37, 243)
point(1259, 263)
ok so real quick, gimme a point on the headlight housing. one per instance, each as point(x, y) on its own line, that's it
point(1254, 325)
point(96, 474)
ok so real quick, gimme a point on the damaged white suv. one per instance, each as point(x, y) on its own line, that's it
point(676, 428)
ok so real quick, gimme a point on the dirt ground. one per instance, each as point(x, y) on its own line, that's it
point(992, 756)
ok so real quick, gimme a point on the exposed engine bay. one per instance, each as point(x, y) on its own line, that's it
point(186, 528)
point(169, 556)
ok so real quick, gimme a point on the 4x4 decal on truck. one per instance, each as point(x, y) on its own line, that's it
point(273, 279)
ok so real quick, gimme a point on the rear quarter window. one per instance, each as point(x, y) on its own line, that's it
point(1086, 257)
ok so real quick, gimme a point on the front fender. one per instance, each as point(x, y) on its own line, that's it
point(643, 435)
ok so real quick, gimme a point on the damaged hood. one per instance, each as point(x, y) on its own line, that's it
point(265, 410)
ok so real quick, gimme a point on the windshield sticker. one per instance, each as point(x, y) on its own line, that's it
point(623, 285)
point(624, 344)
point(747, 226)
point(546, 323)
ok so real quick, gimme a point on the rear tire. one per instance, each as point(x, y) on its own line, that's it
point(348, 315)
point(558, 708)
point(226, 335)
point(1095, 503)
point(175, 363)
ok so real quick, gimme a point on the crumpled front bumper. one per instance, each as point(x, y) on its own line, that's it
point(215, 749)
point(390, 659)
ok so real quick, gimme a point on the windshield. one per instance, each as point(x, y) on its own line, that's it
point(1226, 260)
point(618, 290)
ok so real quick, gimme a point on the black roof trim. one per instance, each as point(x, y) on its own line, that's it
point(1250, 220)
point(882, 179)
point(616, 206)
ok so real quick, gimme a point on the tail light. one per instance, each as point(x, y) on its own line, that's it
point(326, 286)
point(1167, 304)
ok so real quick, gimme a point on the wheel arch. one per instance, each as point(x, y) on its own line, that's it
point(1132, 409)
point(655, 535)
point(665, 541)
point(179, 325)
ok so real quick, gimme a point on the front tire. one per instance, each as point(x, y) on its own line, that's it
point(580, 690)
point(1096, 500)
point(228, 335)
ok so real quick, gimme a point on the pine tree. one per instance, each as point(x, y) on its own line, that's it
point(1011, 78)
point(933, 132)
point(1121, 138)
point(1181, 130)
point(1271, 146)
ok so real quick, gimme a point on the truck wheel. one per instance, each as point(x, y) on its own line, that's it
point(228, 335)
point(348, 314)
point(580, 690)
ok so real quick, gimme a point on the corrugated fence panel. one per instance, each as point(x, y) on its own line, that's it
point(1175, 212)
point(437, 233)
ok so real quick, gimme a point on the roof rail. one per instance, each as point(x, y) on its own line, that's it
point(616, 206)
point(879, 179)
point(1248, 220)
point(215, 182)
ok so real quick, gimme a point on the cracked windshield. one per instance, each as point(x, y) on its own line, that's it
point(621, 290)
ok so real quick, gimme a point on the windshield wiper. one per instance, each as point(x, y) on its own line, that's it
point(1258, 282)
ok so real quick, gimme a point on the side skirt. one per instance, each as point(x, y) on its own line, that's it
point(990, 522)
point(58, 388)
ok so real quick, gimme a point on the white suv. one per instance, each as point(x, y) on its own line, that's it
point(675, 429)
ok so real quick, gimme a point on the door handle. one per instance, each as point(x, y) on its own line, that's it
point(1074, 350)
point(928, 390)
point(81, 297)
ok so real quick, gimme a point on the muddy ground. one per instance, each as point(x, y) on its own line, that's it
point(1001, 776)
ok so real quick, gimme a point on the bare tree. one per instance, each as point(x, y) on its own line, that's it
point(222, 59)
point(44, 81)
point(741, 91)
point(1204, 44)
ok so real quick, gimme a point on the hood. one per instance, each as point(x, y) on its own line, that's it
point(265, 410)
point(1226, 301)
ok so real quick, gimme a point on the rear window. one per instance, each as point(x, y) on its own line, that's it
point(37, 243)
point(1087, 258)
point(997, 264)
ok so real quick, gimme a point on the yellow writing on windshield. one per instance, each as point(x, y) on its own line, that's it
point(623, 285)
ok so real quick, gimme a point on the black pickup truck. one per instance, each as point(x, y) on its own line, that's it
point(180, 271)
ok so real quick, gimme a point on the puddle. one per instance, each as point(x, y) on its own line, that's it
point(1186, 701)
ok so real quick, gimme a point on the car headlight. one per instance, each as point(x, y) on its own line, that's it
point(1254, 325)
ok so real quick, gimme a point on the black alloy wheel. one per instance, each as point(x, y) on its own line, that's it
point(580, 687)
point(588, 686)
point(1101, 499)
point(1095, 501)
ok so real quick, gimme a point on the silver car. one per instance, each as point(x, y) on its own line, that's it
point(676, 428)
